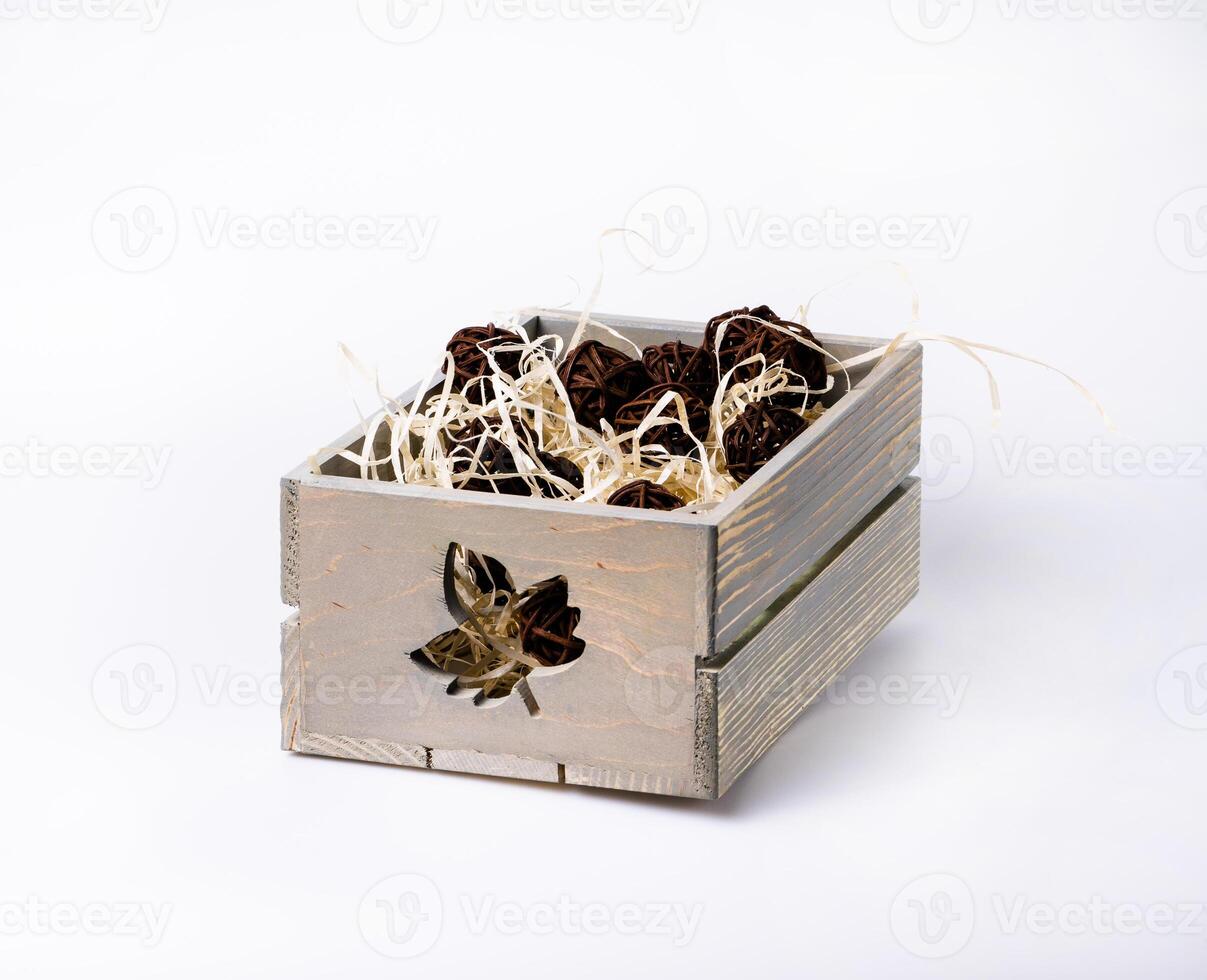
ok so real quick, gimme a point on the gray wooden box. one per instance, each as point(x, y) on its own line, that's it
point(707, 634)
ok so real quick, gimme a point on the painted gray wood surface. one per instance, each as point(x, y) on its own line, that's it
point(805, 501)
point(371, 584)
point(762, 688)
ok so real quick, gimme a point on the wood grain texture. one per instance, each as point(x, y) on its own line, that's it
point(806, 500)
point(481, 764)
point(371, 584)
point(634, 782)
point(761, 688)
point(361, 749)
point(291, 682)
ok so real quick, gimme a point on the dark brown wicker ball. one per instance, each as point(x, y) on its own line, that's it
point(599, 380)
point(739, 326)
point(470, 364)
point(777, 346)
point(547, 624)
point(645, 494)
point(668, 434)
point(677, 362)
point(756, 435)
point(493, 458)
point(558, 466)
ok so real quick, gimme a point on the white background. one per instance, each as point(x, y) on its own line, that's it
point(1068, 768)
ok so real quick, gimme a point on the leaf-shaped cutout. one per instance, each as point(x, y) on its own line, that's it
point(503, 634)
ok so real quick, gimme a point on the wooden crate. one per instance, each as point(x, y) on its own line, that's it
point(707, 634)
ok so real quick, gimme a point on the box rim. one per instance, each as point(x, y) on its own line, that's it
point(712, 517)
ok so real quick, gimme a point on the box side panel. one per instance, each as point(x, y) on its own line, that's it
point(859, 454)
point(372, 591)
point(762, 688)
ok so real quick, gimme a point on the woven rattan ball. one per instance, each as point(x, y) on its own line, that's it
point(470, 364)
point(493, 459)
point(547, 624)
point(776, 346)
point(668, 434)
point(756, 435)
point(678, 363)
point(599, 380)
point(739, 326)
point(558, 466)
point(645, 494)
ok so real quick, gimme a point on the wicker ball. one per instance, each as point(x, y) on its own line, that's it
point(777, 346)
point(599, 380)
point(470, 364)
point(677, 362)
point(668, 434)
point(493, 458)
point(547, 624)
point(756, 435)
point(645, 494)
point(558, 466)
point(739, 326)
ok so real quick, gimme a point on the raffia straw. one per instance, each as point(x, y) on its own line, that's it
point(967, 347)
point(530, 414)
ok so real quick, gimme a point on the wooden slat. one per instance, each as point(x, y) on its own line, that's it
point(481, 764)
point(763, 686)
point(634, 782)
point(807, 500)
point(361, 749)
